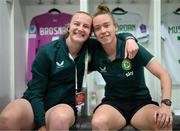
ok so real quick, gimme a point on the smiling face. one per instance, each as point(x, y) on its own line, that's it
point(104, 29)
point(80, 28)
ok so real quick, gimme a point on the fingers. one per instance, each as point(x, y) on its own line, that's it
point(125, 54)
point(131, 49)
point(130, 53)
point(170, 119)
point(159, 120)
point(167, 122)
point(163, 120)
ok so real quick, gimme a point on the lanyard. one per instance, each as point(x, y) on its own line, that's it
point(76, 84)
point(86, 60)
point(86, 69)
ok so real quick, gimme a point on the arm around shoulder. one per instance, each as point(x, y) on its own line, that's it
point(131, 47)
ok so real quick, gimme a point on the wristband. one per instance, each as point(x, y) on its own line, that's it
point(130, 37)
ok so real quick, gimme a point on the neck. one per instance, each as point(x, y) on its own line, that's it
point(73, 47)
point(110, 50)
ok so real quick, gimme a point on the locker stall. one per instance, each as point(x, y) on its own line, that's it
point(15, 18)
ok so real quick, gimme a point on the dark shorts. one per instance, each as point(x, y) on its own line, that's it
point(126, 107)
point(72, 105)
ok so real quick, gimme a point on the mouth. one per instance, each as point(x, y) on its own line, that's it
point(104, 37)
point(79, 34)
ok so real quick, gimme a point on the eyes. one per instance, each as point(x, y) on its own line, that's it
point(86, 26)
point(99, 27)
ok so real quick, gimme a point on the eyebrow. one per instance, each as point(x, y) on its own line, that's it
point(103, 23)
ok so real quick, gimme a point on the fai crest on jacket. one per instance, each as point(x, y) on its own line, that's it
point(126, 65)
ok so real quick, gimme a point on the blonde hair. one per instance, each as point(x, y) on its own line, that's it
point(83, 12)
point(103, 9)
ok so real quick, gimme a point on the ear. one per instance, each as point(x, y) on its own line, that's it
point(67, 26)
point(116, 26)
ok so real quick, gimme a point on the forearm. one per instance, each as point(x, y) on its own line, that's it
point(156, 69)
point(39, 113)
point(166, 88)
point(131, 46)
point(126, 36)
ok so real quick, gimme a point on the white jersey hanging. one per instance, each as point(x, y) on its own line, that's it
point(170, 34)
point(132, 23)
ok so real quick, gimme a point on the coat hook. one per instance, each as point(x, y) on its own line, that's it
point(9, 1)
point(69, 2)
point(169, 1)
point(103, 2)
point(54, 2)
point(133, 1)
point(118, 1)
point(40, 2)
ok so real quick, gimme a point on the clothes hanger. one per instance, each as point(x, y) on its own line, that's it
point(54, 10)
point(118, 11)
point(177, 11)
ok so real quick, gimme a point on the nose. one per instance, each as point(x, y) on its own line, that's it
point(103, 30)
point(81, 28)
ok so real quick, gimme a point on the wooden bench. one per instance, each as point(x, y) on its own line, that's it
point(84, 124)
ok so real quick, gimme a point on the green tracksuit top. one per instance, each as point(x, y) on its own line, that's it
point(124, 78)
point(53, 76)
point(53, 80)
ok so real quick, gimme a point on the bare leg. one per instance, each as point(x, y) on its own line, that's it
point(17, 115)
point(144, 118)
point(106, 118)
point(60, 117)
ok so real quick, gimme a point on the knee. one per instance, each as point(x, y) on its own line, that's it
point(62, 118)
point(5, 120)
point(99, 123)
point(60, 121)
point(166, 128)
